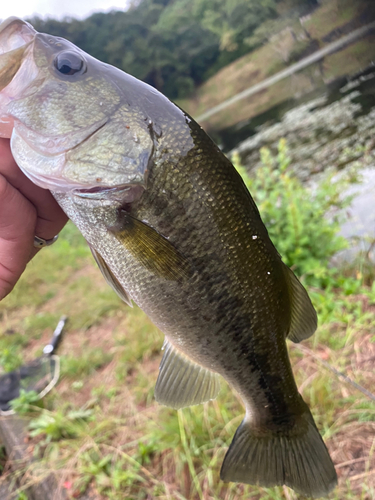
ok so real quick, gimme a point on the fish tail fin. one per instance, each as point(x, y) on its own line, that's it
point(298, 459)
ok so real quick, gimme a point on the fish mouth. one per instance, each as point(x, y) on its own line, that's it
point(97, 191)
point(16, 68)
point(123, 193)
point(15, 38)
point(14, 33)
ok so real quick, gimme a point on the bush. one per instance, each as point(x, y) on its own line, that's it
point(302, 222)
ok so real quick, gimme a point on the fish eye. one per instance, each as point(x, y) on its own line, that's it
point(69, 63)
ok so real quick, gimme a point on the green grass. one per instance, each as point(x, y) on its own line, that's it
point(48, 272)
point(86, 362)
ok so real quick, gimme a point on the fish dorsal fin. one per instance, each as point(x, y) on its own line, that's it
point(151, 249)
point(110, 277)
point(182, 382)
point(304, 320)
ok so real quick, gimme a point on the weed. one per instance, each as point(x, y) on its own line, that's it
point(10, 357)
point(109, 471)
point(21, 496)
point(25, 403)
point(146, 450)
point(59, 424)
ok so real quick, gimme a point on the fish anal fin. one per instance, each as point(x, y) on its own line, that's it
point(304, 320)
point(299, 460)
point(110, 277)
point(150, 248)
point(182, 382)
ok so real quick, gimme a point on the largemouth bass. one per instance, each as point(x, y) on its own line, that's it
point(174, 229)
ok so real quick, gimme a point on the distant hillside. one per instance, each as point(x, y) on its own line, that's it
point(296, 38)
point(174, 45)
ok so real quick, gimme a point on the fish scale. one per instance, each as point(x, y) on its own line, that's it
point(172, 227)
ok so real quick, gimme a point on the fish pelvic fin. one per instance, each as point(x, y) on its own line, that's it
point(304, 320)
point(182, 382)
point(299, 460)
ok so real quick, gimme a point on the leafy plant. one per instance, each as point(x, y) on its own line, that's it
point(146, 450)
point(10, 358)
point(302, 222)
point(58, 425)
point(110, 472)
point(25, 403)
point(21, 496)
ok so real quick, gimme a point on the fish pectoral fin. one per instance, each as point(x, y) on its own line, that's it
point(151, 249)
point(182, 382)
point(304, 320)
point(298, 458)
point(110, 277)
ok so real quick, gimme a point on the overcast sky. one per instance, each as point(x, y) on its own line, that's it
point(57, 8)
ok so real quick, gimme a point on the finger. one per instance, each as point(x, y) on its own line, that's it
point(17, 227)
point(51, 219)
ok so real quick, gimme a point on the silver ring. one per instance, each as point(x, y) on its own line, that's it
point(41, 242)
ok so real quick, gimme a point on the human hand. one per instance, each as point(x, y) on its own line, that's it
point(26, 210)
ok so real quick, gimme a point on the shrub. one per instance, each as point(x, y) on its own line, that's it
point(303, 222)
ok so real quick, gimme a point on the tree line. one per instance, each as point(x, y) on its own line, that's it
point(173, 45)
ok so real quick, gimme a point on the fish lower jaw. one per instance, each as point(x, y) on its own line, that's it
point(59, 184)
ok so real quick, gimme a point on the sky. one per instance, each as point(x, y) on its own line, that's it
point(57, 8)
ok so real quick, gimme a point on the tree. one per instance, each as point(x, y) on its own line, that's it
point(173, 45)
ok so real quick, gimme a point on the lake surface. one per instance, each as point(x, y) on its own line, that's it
point(363, 84)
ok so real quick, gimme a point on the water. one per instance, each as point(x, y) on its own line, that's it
point(359, 225)
point(364, 83)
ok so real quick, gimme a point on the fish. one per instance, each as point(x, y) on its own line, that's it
point(173, 229)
